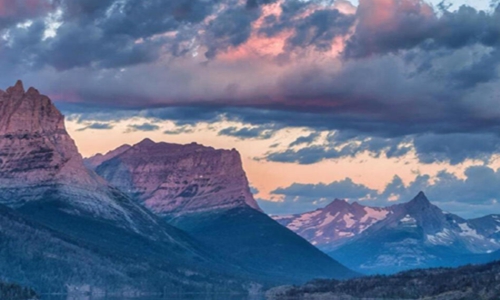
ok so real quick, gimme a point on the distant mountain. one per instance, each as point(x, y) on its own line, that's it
point(416, 234)
point(334, 225)
point(470, 282)
point(101, 236)
point(205, 192)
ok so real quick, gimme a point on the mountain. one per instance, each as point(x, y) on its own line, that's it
point(122, 245)
point(488, 226)
point(172, 179)
point(205, 192)
point(416, 234)
point(469, 282)
point(334, 225)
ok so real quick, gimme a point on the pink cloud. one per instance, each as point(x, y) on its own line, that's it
point(25, 8)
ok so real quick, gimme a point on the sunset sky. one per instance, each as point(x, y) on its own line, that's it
point(369, 101)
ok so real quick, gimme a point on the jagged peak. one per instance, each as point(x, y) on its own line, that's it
point(337, 204)
point(420, 200)
point(32, 92)
point(17, 89)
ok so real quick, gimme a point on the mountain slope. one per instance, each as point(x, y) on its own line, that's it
point(42, 177)
point(205, 192)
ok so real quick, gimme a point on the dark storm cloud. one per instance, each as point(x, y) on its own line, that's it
point(470, 196)
point(456, 148)
point(231, 28)
point(110, 33)
point(409, 72)
point(417, 25)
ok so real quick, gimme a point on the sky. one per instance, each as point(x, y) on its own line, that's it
point(369, 101)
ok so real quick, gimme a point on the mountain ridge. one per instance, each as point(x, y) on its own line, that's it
point(415, 234)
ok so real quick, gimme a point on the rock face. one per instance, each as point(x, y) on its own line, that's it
point(35, 148)
point(172, 179)
point(416, 234)
point(40, 165)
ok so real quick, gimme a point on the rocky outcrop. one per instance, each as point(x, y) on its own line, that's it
point(35, 148)
point(172, 179)
point(40, 162)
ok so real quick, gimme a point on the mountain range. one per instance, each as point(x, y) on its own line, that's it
point(416, 234)
point(162, 218)
point(151, 217)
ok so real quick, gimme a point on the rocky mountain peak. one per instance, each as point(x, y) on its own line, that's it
point(35, 148)
point(337, 205)
point(17, 89)
point(420, 201)
point(174, 179)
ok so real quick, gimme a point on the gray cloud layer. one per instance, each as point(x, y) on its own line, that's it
point(407, 71)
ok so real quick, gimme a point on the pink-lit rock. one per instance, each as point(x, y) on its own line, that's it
point(172, 179)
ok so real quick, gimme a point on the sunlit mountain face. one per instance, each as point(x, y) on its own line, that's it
point(241, 136)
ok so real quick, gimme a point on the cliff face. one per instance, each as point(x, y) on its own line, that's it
point(40, 166)
point(172, 179)
point(34, 145)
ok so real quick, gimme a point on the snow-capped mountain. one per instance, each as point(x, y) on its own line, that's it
point(334, 225)
point(205, 192)
point(416, 234)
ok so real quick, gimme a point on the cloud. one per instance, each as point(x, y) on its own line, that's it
point(470, 196)
point(406, 69)
point(97, 126)
point(261, 133)
point(180, 130)
point(340, 145)
point(453, 148)
point(307, 140)
point(345, 189)
point(142, 127)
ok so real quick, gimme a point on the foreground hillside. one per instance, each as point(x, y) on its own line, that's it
point(469, 282)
